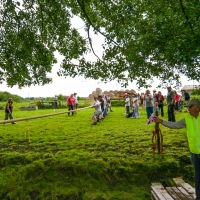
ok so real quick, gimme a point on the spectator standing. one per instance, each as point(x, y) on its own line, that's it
point(142, 99)
point(75, 102)
point(136, 106)
point(148, 101)
point(154, 97)
point(109, 102)
point(160, 100)
point(127, 104)
point(180, 103)
point(170, 104)
point(105, 113)
point(176, 99)
point(55, 102)
point(70, 104)
point(186, 96)
point(98, 111)
point(9, 110)
point(192, 123)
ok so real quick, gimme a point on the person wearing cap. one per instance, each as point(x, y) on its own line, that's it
point(170, 104)
point(192, 124)
point(9, 110)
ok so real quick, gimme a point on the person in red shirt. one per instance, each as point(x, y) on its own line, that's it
point(70, 104)
point(176, 98)
point(160, 99)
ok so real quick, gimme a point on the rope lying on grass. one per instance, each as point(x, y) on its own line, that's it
point(41, 116)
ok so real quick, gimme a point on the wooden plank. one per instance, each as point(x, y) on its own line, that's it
point(189, 189)
point(153, 196)
point(185, 193)
point(156, 187)
point(173, 193)
point(178, 181)
point(160, 192)
point(179, 193)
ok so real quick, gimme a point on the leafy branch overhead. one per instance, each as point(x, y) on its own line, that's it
point(143, 40)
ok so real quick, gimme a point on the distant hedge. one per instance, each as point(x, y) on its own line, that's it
point(117, 102)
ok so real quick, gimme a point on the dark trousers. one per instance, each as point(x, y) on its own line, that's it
point(8, 115)
point(160, 106)
point(195, 159)
point(127, 110)
point(70, 108)
point(176, 106)
point(171, 116)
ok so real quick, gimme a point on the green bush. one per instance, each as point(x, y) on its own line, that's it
point(117, 102)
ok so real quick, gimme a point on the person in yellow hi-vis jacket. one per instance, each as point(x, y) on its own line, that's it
point(192, 124)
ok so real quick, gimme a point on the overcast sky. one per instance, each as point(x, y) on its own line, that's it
point(83, 87)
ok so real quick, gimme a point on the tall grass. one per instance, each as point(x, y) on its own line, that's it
point(66, 157)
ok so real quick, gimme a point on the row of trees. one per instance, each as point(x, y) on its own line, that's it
point(4, 96)
point(142, 40)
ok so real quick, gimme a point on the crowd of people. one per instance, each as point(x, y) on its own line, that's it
point(155, 100)
point(102, 104)
point(132, 103)
point(146, 100)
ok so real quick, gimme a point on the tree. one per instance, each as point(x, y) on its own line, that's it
point(4, 96)
point(143, 40)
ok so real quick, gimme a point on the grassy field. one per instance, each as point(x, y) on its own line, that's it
point(67, 158)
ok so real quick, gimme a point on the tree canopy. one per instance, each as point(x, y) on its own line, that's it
point(143, 40)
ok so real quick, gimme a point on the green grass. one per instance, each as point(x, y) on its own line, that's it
point(63, 157)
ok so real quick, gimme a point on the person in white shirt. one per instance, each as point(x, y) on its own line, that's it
point(98, 111)
point(136, 106)
point(127, 104)
point(76, 102)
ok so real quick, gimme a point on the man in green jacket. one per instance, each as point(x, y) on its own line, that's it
point(192, 124)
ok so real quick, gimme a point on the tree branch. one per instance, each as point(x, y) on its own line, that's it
point(90, 41)
point(185, 14)
point(90, 22)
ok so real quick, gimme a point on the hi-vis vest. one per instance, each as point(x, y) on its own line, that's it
point(193, 133)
